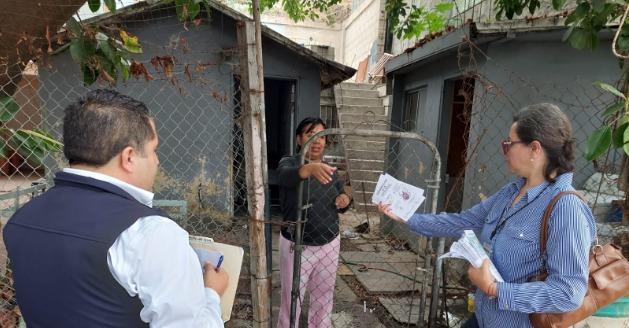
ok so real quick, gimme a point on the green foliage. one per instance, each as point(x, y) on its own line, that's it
point(584, 23)
point(411, 21)
point(609, 88)
point(190, 9)
point(613, 109)
point(598, 143)
point(105, 55)
point(31, 144)
point(615, 133)
point(299, 10)
point(587, 19)
point(510, 8)
point(8, 109)
point(618, 136)
point(94, 5)
point(130, 43)
point(100, 55)
point(111, 4)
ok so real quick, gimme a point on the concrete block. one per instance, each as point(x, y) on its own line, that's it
point(382, 90)
point(362, 117)
point(403, 309)
point(360, 101)
point(360, 93)
point(355, 109)
point(386, 100)
point(366, 126)
point(367, 164)
point(363, 154)
point(365, 175)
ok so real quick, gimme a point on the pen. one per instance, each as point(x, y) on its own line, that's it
point(220, 261)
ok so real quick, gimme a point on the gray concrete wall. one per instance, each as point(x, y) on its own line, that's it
point(194, 118)
point(432, 77)
point(531, 68)
point(279, 62)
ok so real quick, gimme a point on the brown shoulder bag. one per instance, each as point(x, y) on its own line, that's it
point(608, 278)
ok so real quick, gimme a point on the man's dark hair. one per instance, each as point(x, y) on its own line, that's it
point(100, 125)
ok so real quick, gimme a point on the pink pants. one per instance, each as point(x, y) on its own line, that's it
point(318, 275)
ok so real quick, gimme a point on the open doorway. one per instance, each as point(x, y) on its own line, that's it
point(279, 103)
point(455, 126)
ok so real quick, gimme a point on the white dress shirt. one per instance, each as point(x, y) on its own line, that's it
point(153, 259)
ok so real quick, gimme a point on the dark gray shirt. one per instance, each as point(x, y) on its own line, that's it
point(322, 224)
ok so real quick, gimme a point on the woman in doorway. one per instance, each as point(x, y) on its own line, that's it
point(540, 152)
point(323, 190)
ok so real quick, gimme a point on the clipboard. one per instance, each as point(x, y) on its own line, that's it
point(232, 263)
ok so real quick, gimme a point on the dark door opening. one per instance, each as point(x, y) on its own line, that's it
point(279, 102)
point(458, 96)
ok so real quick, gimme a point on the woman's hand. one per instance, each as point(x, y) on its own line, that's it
point(483, 279)
point(320, 171)
point(386, 210)
point(342, 201)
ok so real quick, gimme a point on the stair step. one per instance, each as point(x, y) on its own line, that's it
point(364, 86)
point(360, 101)
point(358, 196)
point(355, 109)
point(362, 164)
point(365, 126)
point(353, 154)
point(360, 185)
point(363, 117)
point(343, 175)
point(353, 138)
point(360, 93)
point(366, 175)
point(364, 145)
point(369, 207)
point(359, 139)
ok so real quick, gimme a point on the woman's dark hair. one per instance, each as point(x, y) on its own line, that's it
point(308, 124)
point(547, 124)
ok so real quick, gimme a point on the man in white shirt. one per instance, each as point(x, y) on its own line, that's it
point(110, 259)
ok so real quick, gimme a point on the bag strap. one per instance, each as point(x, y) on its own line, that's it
point(543, 238)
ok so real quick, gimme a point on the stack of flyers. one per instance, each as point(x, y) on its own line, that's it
point(470, 249)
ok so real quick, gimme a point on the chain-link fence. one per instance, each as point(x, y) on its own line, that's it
point(362, 269)
point(378, 272)
point(201, 182)
point(193, 93)
point(485, 101)
point(484, 98)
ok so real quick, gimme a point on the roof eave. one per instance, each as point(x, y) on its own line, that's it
point(331, 72)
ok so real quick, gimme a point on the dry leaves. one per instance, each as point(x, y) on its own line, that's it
point(137, 69)
point(165, 64)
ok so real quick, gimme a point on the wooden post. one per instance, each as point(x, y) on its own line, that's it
point(254, 132)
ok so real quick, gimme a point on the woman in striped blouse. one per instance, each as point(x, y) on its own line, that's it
point(540, 152)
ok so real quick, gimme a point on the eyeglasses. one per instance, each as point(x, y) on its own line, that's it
point(506, 145)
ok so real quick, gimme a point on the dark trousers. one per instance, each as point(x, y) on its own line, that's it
point(471, 322)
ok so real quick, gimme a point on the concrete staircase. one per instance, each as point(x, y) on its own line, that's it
point(360, 107)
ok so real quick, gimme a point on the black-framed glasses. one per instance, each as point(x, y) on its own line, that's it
point(507, 143)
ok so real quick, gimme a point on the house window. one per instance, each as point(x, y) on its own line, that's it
point(413, 104)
